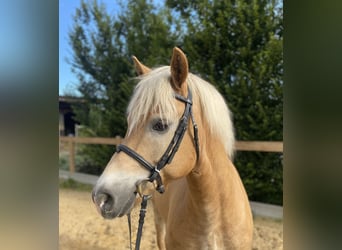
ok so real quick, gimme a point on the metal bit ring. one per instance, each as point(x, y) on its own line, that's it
point(145, 188)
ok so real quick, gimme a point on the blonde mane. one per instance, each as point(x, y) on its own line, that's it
point(154, 94)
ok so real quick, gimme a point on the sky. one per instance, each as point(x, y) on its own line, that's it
point(67, 80)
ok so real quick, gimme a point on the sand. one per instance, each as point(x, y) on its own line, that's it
point(81, 227)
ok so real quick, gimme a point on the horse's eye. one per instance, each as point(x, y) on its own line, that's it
point(160, 126)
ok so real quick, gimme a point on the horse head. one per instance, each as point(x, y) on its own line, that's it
point(160, 119)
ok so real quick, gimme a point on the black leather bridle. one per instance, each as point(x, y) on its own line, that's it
point(173, 146)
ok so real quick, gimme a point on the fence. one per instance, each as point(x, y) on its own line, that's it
point(259, 146)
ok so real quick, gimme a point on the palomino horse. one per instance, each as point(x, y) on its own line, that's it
point(204, 205)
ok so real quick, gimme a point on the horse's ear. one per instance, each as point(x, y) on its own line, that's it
point(140, 68)
point(179, 70)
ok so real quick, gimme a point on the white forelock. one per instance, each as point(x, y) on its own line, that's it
point(154, 94)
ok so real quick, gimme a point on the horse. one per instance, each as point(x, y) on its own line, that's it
point(180, 137)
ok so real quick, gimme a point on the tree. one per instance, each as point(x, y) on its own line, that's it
point(237, 46)
point(146, 32)
point(234, 44)
point(102, 49)
point(102, 70)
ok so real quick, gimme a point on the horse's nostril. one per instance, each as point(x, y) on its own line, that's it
point(104, 201)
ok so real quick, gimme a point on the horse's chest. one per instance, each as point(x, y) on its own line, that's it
point(190, 238)
point(198, 244)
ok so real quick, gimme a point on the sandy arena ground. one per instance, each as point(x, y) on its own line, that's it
point(81, 227)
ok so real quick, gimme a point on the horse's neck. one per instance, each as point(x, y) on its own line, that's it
point(215, 186)
point(209, 182)
point(209, 208)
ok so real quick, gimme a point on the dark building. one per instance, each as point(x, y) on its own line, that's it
point(67, 123)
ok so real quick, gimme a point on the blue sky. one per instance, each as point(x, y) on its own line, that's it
point(67, 80)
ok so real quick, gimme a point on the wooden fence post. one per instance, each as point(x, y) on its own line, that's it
point(72, 156)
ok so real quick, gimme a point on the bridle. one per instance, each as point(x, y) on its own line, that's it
point(171, 149)
point(166, 158)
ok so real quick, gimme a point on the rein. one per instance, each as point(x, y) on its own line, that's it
point(166, 158)
point(142, 213)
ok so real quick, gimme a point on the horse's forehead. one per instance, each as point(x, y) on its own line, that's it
point(151, 98)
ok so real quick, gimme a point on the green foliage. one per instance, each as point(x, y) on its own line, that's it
point(72, 184)
point(262, 176)
point(92, 159)
point(102, 47)
point(102, 69)
point(235, 45)
point(146, 32)
point(63, 162)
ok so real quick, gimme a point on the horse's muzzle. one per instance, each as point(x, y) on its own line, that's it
point(104, 204)
point(109, 206)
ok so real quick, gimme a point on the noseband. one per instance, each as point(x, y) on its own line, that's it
point(173, 146)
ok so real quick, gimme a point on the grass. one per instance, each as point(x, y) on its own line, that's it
point(262, 218)
point(74, 185)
